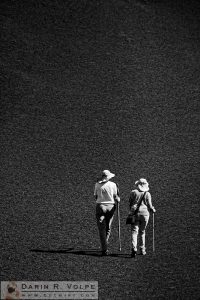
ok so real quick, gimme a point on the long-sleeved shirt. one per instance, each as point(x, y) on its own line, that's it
point(146, 204)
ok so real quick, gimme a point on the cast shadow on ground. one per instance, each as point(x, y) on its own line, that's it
point(91, 252)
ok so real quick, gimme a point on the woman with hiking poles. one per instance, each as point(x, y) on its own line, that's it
point(140, 207)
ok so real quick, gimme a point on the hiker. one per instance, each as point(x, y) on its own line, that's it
point(106, 193)
point(140, 204)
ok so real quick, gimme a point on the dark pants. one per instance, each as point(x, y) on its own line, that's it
point(104, 216)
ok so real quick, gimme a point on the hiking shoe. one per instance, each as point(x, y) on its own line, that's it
point(143, 253)
point(133, 253)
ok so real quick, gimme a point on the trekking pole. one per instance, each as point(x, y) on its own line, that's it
point(153, 235)
point(118, 214)
point(119, 233)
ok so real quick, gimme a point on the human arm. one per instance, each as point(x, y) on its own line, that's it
point(132, 201)
point(149, 203)
point(116, 198)
point(116, 195)
point(95, 192)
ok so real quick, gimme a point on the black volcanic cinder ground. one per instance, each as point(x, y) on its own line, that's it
point(93, 85)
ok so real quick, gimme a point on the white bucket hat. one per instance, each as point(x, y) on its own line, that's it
point(142, 184)
point(106, 175)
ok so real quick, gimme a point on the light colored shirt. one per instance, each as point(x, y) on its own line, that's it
point(106, 192)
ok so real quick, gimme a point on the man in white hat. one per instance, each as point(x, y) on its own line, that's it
point(140, 203)
point(106, 193)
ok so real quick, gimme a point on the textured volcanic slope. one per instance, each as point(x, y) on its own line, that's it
point(92, 85)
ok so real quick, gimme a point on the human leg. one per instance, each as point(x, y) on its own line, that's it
point(109, 219)
point(101, 224)
point(142, 230)
point(134, 235)
point(104, 216)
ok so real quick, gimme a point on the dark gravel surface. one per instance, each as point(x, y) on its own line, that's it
point(93, 85)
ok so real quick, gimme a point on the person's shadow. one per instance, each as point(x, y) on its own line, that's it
point(91, 252)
